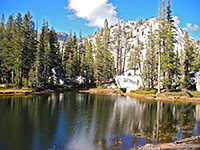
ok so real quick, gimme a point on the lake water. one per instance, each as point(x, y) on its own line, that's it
point(82, 121)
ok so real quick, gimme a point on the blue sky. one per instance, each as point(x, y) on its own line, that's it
point(89, 15)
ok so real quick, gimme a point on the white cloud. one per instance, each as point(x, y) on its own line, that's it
point(176, 20)
point(94, 11)
point(189, 27)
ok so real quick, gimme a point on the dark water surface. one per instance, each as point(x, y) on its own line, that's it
point(81, 121)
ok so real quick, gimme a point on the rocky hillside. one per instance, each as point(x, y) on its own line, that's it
point(140, 29)
point(62, 37)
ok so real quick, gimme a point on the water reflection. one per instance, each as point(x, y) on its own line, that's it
point(88, 121)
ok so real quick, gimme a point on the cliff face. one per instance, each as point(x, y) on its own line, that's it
point(62, 37)
point(139, 30)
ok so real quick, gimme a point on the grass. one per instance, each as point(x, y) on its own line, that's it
point(10, 91)
point(4, 86)
point(176, 94)
point(195, 93)
point(145, 91)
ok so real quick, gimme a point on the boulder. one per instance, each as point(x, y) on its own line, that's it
point(57, 76)
point(198, 81)
point(128, 81)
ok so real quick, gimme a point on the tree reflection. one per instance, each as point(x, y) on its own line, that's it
point(77, 120)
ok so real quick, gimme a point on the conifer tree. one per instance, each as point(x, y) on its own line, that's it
point(68, 67)
point(68, 49)
point(75, 63)
point(135, 60)
point(29, 46)
point(42, 55)
point(18, 49)
point(2, 31)
point(52, 54)
point(8, 51)
point(178, 68)
point(196, 63)
point(168, 65)
point(98, 63)
point(89, 62)
point(161, 36)
point(168, 12)
point(188, 59)
point(150, 63)
point(81, 54)
point(107, 55)
point(48, 55)
point(127, 47)
point(117, 39)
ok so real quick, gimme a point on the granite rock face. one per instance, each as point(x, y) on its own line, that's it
point(57, 76)
point(198, 81)
point(129, 80)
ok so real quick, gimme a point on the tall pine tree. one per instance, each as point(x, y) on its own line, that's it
point(29, 46)
point(187, 63)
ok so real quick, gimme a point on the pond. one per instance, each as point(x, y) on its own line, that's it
point(82, 121)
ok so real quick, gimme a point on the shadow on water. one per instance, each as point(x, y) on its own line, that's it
point(90, 121)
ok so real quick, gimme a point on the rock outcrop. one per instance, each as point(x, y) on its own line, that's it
point(198, 81)
point(57, 76)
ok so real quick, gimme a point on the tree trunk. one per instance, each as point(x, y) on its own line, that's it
point(159, 63)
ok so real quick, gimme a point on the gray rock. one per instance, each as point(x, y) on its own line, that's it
point(57, 76)
point(198, 81)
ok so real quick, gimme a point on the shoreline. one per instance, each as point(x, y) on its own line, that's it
point(32, 91)
point(141, 96)
point(187, 143)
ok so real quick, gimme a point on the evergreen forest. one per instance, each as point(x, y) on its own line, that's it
point(28, 56)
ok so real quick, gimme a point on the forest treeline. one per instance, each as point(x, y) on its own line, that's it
point(27, 57)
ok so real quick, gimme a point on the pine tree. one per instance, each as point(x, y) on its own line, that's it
point(81, 54)
point(117, 39)
point(89, 62)
point(188, 59)
point(68, 50)
point(135, 60)
point(150, 63)
point(196, 63)
point(29, 46)
point(98, 63)
point(68, 68)
point(168, 12)
point(177, 70)
point(42, 55)
point(76, 57)
point(52, 52)
point(107, 55)
point(7, 53)
point(160, 41)
point(75, 63)
point(18, 49)
point(2, 31)
point(168, 65)
point(127, 47)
